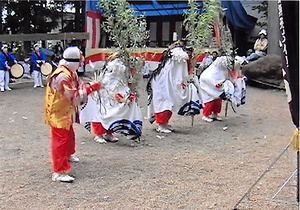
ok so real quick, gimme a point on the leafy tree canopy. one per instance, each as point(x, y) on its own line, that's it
point(33, 16)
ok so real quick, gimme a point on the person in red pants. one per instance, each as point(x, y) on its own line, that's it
point(167, 86)
point(172, 87)
point(162, 119)
point(101, 134)
point(211, 110)
point(212, 82)
point(64, 93)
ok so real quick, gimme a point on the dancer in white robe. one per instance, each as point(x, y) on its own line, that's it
point(171, 89)
point(115, 108)
point(221, 81)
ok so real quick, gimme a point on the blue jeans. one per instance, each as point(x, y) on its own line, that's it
point(254, 56)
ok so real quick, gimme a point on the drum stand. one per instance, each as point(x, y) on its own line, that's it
point(296, 172)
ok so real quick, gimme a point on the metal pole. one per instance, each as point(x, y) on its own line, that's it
point(285, 183)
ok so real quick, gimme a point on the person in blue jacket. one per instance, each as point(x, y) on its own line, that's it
point(6, 59)
point(38, 58)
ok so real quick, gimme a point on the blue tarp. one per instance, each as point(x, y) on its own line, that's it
point(149, 8)
point(161, 9)
point(235, 13)
point(237, 16)
point(92, 5)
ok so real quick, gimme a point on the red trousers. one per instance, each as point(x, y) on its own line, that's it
point(212, 107)
point(62, 146)
point(98, 129)
point(162, 118)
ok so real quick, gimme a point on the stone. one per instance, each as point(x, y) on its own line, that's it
point(265, 69)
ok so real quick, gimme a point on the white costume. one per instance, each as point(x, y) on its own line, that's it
point(232, 84)
point(171, 88)
point(102, 106)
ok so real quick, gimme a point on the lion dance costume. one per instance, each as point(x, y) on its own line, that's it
point(221, 81)
point(115, 108)
point(172, 88)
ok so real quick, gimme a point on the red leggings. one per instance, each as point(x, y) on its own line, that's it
point(211, 107)
point(162, 118)
point(62, 146)
point(98, 129)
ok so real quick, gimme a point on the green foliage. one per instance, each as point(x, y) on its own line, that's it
point(263, 10)
point(123, 28)
point(127, 31)
point(39, 16)
point(199, 24)
point(30, 16)
point(226, 40)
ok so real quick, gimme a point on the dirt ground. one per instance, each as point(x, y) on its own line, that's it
point(200, 167)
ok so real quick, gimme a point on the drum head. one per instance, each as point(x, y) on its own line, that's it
point(46, 69)
point(17, 70)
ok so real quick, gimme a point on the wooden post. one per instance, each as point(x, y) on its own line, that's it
point(273, 28)
point(226, 108)
point(193, 119)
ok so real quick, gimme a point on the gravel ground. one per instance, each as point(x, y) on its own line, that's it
point(198, 167)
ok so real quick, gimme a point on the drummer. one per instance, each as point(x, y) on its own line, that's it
point(38, 58)
point(6, 59)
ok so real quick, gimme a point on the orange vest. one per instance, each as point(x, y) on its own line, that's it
point(58, 109)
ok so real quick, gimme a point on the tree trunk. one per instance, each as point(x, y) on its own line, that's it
point(78, 16)
point(25, 28)
point(273, 28)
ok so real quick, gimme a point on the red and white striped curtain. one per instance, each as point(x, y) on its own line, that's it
point(93, 28)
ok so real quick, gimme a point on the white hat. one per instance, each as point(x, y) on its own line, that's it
point(72, 54)
point(263, 31)
point(36, 45)
point(4, 46)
